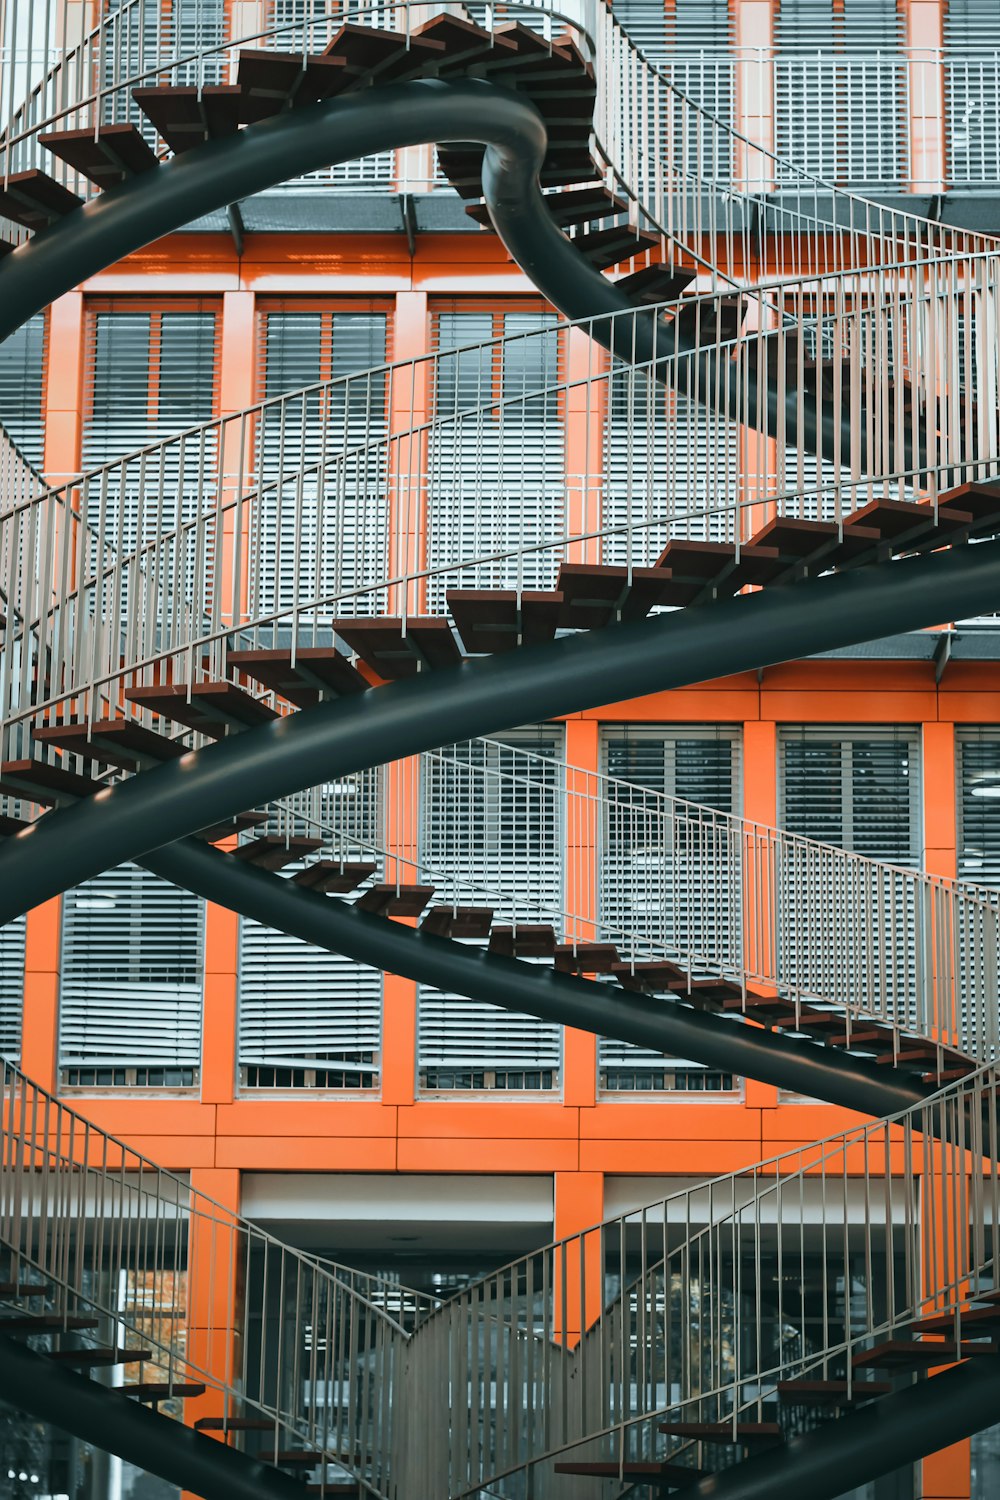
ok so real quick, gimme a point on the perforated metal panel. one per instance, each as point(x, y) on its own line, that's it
point(130, 996)
point(324, 530)
point(972, 91)
point(647, 886)
point(11, 987)
point(22, 375)
point(502, 829)
point(497, 450)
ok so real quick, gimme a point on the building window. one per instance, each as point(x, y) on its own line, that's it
point(670, 881)
point(22, 387)
point(130, 997)
point(12, 936)
point(323, 530)
point(491, 823)
point(979, 805)
point(972, 91)
point(497, 462)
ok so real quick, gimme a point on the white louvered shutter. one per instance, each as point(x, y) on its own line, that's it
point(22, 373)
point(840, 90)
point(497, 451)
point(684, 895)
point(150, 375)
point(323, 530)
point(972, 91)
point(857, 789)
point(499, 823)
point(979, 804)
point(130, 995)
point(309, 1018)
point(11, 987)
point(143, 34)
point(666, 457)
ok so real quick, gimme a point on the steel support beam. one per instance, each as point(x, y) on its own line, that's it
point(100, 1415)
point(664, 1025)
point(863, 1445)
point(485, 696)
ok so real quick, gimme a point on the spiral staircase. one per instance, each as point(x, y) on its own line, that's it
point(165, 697)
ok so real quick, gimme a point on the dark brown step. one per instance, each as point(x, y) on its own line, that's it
point(35, 199)
point(106, 155)
point(42, 782)
point(656, 283)
point(527, 940)
point(388, 900)
point(464, 43)
point(100, 1358)
point(315, 672)
point(972, 1320)
point(234, 1424)
point(594, 594)
point(650, 975)
point(814, 543)
point(580, 205)
point(270, 82)
point(458, 921)
point(715, 321)
point(724, 1432)
point(980, 499)
point(697, 568)
point(337, 1489)
point(677, 1475)
point(382, 56)
point(900, 1354)
point(212, 708)
point(868, 1037)
point(900, 523)
point(289, 1458)
point(272, 852)
point(25, 1289)
point(216, 832)
point(185, 116)
point(114, 742)
point(586, 958)
point(493, 620)
point(328, 876)
point(155, 1391)
point(396, 649)
point(831, 1392)
point(603, 248)
point(44, 1323)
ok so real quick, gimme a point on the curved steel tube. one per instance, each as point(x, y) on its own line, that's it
point(482, 697)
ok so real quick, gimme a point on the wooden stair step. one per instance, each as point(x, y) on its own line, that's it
point(582, 205)
point(804, 1392)
point(105, 155)
point(234, 1424)
point(586, 958)
point(316, 671)
point(972, 1319)
point(43, 782)
point(396, 651)
point(527, 940)
point(696, 567)
point(25, 1289)
point(464, 42)
point(649, 975)
point(900, 522)
point(185, 116)
point(114, 742)
point(725, 1432)
point(212, 708)
point(946, 1075)
point(273, 852)
point(677, 1475)
point(594, 594)
point(35, 199)
point(337, 1489)
point(715, 321)
point(901, 1354)
point(287, 1458)
point(917, 1057)
point(603, 248)
point(656, 283)
point(228, 827)
point(492, 620)
point(162, 1390)
point(367, 53)
point(45, 1322)
point(331, 876)
point(861, 1036)
point(388, 900)
point(270, 82)
point(979, 498)
point(100, 1358)
point(458, 921)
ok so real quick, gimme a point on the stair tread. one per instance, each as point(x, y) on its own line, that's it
point(490, 620)
point(35, 199)
point(725, 1432)
point(924, 1354)
point(270, 82)
point(106, 155)
point(331, 876)
point(527, 940)
point(43, 1322)
point(315, 670)
point(154, 1390)
point(117, 742)
point(677, 1474)
point(586, 957)
point(24, 1289)
point(234, 1424)
point(214, 833)
point(101, 1357)
point(822, 1391)
point(458, 922)
point(43, 782)
point(396, 649)
point(273, 851)
point(185, 116)
point(388, 899)
point(211, 708)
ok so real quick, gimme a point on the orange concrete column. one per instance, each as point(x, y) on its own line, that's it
point(40, 1028)
point(219, 1011)
point(754, 90)
point(578, 1273)
point(237, 378)
point(760, 806)
point(63, 395)
point(924, 38)
point(216, 1255)
point(586, 407)
point(940, 794)
point(409, 406)
point(580, 1047)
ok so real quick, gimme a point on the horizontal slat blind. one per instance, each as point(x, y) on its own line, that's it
point(504, 830)
point(11, 987)
point(665, 457)
point(856, 788)
point(324, 530)
point(149, 32)
point(130, 997)
point(648, 886)
point(979, 804)
point(309, 1018)
point(840, 98)
point(972, 90)
point(22, 375)
point(497, 451)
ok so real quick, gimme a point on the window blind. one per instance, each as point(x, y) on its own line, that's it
point(840, 89)
point(497, 450)
point(130, 997)
point(11, 987)
point(665, 457)
point(674, 892)
point(22, 375)
point(979, 804)
point(856, 788)
point(324, 530)
point(309, 1018)
point(503, 827)
point(972, 90)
